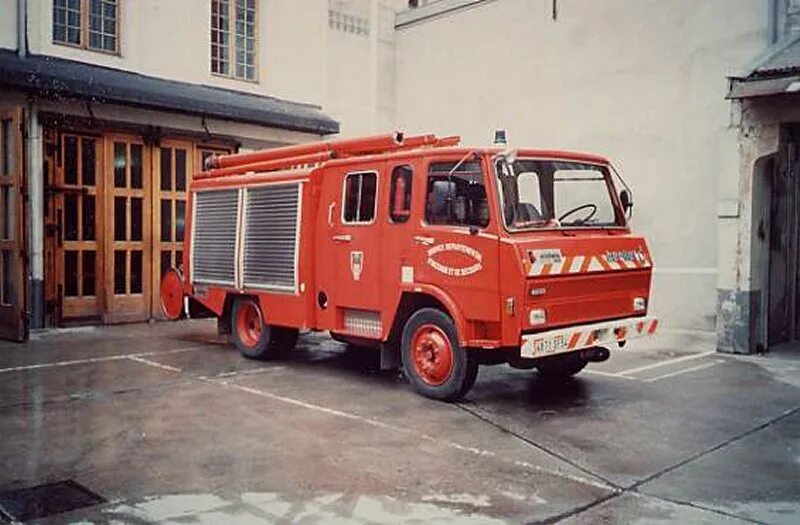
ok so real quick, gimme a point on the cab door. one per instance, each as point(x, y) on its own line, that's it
point(457, 246)
point(348, 258)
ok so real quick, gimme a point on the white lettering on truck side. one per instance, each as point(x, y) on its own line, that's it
point(459, 248)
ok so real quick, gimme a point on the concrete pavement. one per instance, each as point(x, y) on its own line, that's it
point(169, 424)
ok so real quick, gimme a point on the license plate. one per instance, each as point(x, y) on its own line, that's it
point(550, 345)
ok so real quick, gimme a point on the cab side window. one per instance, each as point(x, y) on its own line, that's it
point(400, 194)
point(456, 195)
point(359, 198)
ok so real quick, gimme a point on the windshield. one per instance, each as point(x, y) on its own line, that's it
point(553, 193)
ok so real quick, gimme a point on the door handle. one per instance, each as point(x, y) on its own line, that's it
point(343, 238)
point(425, 241)
point(330, 213)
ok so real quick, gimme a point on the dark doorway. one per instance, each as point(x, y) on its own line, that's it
point(783, 325)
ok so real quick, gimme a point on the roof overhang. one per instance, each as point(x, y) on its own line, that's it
point(54, 77)
point(774, 72)
point(750, 88)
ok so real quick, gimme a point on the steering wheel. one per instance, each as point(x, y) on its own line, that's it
point(576, 210)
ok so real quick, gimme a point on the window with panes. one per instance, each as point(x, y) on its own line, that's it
point(89, 24)
point(79, 212)
point(233, 38)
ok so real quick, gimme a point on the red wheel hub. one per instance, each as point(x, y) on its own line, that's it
point(431, 354)
point(172, 294)
point(249, 324)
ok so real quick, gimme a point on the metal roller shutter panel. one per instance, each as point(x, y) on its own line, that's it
point(271, 237)
point(214, 244)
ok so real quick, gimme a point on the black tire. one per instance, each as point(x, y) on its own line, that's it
point(456, 377)
point(562, 366)
point(262, 341)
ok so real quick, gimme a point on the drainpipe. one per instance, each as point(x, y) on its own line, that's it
point(22, 28)
point(33, 151)
point(772, 22)
point(34, 165)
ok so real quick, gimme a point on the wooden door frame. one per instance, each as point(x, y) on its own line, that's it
point(156, 195)
point(13, 316)
point(128, 307)
point(82, 308)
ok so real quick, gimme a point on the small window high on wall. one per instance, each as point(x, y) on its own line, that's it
point(88, 24)
point(233, 38)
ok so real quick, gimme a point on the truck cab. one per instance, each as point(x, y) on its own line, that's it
point(442, 257)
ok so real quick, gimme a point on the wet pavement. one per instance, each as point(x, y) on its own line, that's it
point(168, 424)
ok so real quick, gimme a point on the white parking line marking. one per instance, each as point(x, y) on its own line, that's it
point(97, 359)
point(609, 374)
point(404, 430)
point(153, 363)
point(684, 371)
point(667, 363)
point(250, 371)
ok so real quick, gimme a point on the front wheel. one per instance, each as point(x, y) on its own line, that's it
point(255, 338)
point(559, 367)
point(433, 359)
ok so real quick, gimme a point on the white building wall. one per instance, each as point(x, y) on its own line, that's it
point(641, 81)
point(360, 68)
point(172, 39)
point(8, 24)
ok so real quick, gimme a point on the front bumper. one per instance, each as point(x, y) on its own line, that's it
point(563, 340)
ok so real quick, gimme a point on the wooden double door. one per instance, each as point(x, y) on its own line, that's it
point(115, 224)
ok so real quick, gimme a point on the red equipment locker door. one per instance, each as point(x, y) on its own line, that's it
point(13, 320)
point(348, 257)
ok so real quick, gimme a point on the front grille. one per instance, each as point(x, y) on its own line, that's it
point(214, 231)
point(270, 241)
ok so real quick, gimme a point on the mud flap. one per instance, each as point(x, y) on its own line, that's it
point(390, 356)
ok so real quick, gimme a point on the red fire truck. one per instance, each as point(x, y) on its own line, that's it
point(441, 257)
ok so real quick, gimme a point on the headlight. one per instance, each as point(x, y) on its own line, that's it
point(639, 304)
point(537, 316)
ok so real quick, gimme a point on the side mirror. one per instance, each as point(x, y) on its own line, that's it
point(626, 200)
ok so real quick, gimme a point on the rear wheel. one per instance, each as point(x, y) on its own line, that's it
point(433, 358)
point(255, 338)
point(561, 366)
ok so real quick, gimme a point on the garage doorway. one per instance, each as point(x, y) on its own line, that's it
point(115, 222)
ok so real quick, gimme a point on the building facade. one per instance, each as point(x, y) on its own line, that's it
point(118, 105)
point(107, 109)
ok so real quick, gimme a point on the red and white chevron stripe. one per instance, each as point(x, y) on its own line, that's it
point(573, 264)
point(586, 336)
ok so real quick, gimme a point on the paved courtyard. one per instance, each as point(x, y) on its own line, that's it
point(168, 424)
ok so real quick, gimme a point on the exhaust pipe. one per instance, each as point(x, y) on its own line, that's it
point(595, 354)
